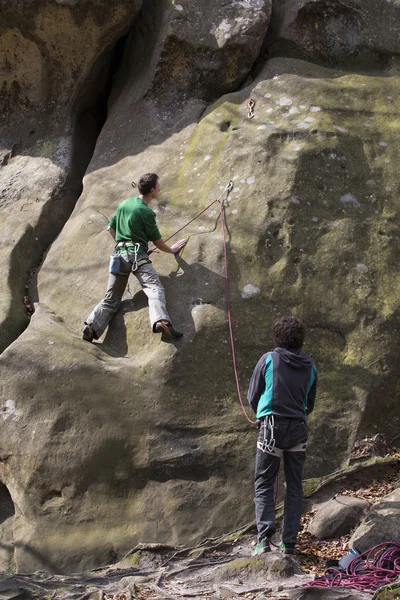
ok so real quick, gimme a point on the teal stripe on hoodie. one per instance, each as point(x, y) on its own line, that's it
point(310, 384)
point(264, 407)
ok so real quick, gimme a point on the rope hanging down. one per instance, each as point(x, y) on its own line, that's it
point(226, 191)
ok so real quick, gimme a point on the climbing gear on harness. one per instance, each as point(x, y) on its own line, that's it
point(136, 248)
point(88, 333)
point(288, 548)
point(251, 105)
point(115, 259)
point(262, 547)
point(268, 446)
point(167, 328)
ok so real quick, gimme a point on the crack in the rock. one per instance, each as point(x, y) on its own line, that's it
point(91, 114)
point(102, 214)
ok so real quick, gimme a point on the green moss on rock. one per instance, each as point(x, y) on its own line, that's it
point(243, 565)
point(390, 593)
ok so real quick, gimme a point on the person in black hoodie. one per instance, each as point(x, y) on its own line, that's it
point(282, 394)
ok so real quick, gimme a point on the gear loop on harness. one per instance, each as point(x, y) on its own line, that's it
point(136, 247)
point(268, 446)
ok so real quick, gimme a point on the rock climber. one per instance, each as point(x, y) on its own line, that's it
point(282, 394)
point(132, 226)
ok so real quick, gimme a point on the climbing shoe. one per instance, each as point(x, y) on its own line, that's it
point(167, 328)
point(88, 333)
point(288, 548)
point(262, 547)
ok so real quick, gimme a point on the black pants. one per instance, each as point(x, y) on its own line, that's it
point(287, 433)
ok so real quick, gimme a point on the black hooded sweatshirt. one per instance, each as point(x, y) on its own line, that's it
point(283, 384)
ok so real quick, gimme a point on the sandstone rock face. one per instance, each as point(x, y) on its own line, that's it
point(326, 594)
point(381, 525)
point(337, 517)
point(54, 57)
point(338, 34)
point(133, 439)
point(6, 529)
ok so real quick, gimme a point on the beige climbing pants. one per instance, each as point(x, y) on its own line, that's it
point(148, 278)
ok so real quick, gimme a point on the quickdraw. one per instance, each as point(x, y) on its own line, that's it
point(251, 106)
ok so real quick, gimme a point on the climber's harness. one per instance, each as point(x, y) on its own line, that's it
point(268, 446)
point(115, 259)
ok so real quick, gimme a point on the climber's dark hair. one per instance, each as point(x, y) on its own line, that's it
point(147, 182)
point(289, 332)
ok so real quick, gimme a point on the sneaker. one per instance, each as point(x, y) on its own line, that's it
point(262, 547)
point(288, 548)
point(88, 333)
point(167, 328)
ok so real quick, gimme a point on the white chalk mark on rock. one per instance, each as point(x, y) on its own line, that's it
point(9, 410)
point(350, 199)
point(361, 268)
point(250, 290)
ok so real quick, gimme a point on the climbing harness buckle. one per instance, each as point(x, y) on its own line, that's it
point(251, 105)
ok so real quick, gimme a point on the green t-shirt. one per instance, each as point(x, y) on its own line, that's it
point(135, 221)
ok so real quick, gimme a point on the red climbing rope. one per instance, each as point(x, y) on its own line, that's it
point(191, 220)
point(196, 217)
point(228, 310)
point(367, 572)
point(226, 191)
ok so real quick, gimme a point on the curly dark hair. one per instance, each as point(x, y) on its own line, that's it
point(289, 332)
point(147, 183)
